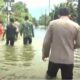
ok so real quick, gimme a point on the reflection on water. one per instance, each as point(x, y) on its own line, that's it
point(27, 55)
point(14, 57)
point(10, 54)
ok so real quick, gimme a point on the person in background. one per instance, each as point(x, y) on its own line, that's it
point(27, 31)
point(1, 30)
point(10, 33)
point(62, 37)
point(17, 25)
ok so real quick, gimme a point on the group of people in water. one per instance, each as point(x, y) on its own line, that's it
point(13, 28)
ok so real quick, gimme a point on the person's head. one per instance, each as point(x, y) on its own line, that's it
point(11, 20)
point(26, 18)
point(16, 19)
point(63, 12)
point(0, 22)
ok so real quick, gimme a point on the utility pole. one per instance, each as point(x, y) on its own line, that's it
point(78, 11)
point(8, 7)
point(49, 6)
point(45, 18)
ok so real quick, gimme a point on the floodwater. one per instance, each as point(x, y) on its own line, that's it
point(25, 62)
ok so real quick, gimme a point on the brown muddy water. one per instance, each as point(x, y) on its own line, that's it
point(25, 62)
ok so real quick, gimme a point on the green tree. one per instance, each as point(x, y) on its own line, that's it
point(78, 10)
point(35, 22)
point(20, 10)
point(1, 5)
point(2, 14)
point(51, 15)
point(44, 20)
point(73, 11)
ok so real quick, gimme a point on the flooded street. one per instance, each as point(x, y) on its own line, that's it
point(25, 62)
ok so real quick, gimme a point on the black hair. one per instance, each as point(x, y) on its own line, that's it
point(63, 12)
point(11, 20)
point(16, 19)
point(26, 18)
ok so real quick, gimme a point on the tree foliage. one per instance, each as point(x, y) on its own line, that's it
point(44, 20)
point(35, 22)
point(19, 10)
point(2, 15)
point(1, 4)
point(54, 13)
point(78, 10)
point(71, 8)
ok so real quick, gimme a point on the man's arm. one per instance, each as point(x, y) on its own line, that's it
point(3, 35)
point(77, 40)
point(47, 44)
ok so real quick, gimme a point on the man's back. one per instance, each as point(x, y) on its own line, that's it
point(63, 34)
point(11, 30)
point(62, 37)
point(27, 29)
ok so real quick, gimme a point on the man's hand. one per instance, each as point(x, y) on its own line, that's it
point(44, 58)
